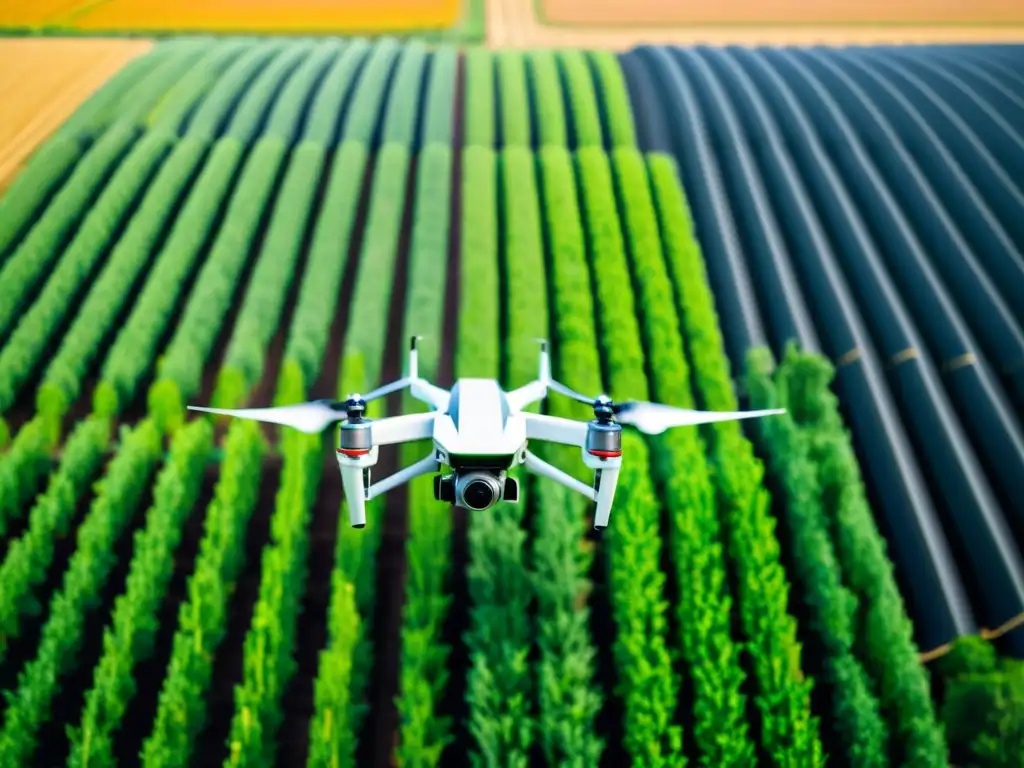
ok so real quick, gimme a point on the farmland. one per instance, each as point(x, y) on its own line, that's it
point(454, 18)
point(44, 82)
point(248, 221)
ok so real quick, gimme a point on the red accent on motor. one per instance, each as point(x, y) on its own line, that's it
point(353, 452)
point(604, 454)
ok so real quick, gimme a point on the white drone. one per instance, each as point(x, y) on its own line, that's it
point(480, 432)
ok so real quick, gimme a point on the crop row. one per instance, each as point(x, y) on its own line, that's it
point(423, 731)
point(117, 498)
point(181, 366)
point(45, 318)
point(865, 625)
point(704, 605)
point(647, 681)
point(831, 607)
point(130, 635)
point(569, 698)
point(202, 618)
point(789, 732)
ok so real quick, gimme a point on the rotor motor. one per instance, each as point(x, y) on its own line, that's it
point(355, 437)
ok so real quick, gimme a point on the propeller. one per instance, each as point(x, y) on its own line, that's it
point(654, 418)
point(313, 416)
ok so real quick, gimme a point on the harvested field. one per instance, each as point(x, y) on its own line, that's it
point(225, 16)
point(43, 81)
point(514, 24)
point(591, 13)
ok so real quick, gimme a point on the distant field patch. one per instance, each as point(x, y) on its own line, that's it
point(830, 12)
point(44, 81)
point(281, 16)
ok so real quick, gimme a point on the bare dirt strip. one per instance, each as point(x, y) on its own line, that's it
point(42, 81)
point(514, 24)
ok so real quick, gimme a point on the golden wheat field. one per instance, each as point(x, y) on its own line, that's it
point(263, 16)
point(43, 81)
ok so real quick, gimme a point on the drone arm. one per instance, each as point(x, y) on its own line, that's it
point(403, 429)
point(540, 467)
point(556, 429)
point(528, 394)
point(424, 466)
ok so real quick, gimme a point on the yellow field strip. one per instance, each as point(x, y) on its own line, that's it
point(584, 14)
point(227, 16)
point(514, 24)
point(44, 80)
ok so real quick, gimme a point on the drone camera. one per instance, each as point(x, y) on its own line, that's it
point(476, 490)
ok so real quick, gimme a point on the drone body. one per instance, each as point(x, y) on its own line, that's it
point(480, 432)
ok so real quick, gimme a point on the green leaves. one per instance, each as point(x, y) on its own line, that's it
point(586, 118)
point(831, 606)
point(328, 254)
point(28, 558)
point(45, 318)
point(117, 496)
point(218, 281)
point(203, 618)
point(478, 122)
point(789, 732)
point(423, 734)
point(477, 346)
point(704, 606)
point(272, 276)
point(135, 348)
point(647, 682)
point(22, 271)
point(128, 639)
point(112, 288)
point(884, 640)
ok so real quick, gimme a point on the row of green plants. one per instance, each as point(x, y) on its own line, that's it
point(569, 696)
point(424, 730)
point(130, 633)
point(647, 682)
point(118, 497)
point(361, 366)
point(710, 656)
point(863, 624)
point(789, 731)
point(203, 619)
point(44, 320)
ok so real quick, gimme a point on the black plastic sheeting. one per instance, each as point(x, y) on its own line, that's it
point(869, 203)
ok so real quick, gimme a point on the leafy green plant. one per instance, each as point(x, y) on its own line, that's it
point(118, 495)
point(647, 681)
point(203, 617)
point(831, 606)
point(130, 636)
point(704, 605)
point(789, 732)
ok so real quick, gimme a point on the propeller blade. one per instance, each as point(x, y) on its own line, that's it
point(386, 389)
point(654, 418)
point(561, 388)
point(311, 417)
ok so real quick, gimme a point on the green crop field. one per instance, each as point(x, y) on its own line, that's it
point(246, 222)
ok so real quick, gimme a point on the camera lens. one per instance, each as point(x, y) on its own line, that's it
point(478, 494)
